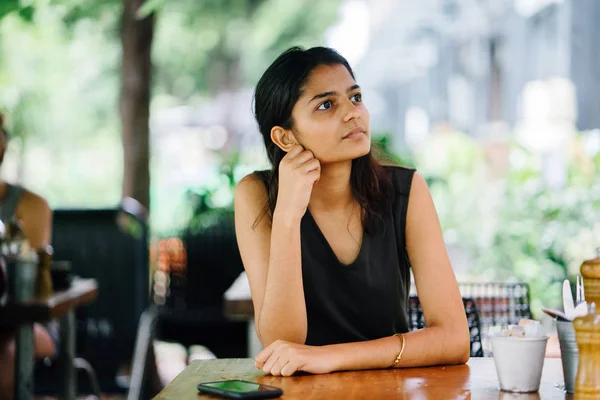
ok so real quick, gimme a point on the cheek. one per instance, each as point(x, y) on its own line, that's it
point(364, 114)
point(316, 136)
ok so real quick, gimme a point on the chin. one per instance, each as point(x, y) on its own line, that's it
point(363, 148)
point(357, 153)
point(344, 153)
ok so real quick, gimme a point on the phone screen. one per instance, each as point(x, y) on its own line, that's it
point(238, 386)
point(240, 389)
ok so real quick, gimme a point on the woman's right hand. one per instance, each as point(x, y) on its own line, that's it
point(299, 170)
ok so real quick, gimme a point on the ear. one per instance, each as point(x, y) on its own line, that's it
point(283, 138)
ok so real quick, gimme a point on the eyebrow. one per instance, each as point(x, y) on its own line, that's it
point(327, 94)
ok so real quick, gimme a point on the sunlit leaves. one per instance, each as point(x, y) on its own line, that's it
point(8, 6)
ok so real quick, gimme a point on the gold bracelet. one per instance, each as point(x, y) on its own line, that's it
point(399, 356)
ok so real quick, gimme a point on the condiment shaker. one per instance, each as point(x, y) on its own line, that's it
point(587, 333)
point(590, 270)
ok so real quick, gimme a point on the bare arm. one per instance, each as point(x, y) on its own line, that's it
point(445, 340)
point(271, 252)
point(36, 216)
point(271, 257)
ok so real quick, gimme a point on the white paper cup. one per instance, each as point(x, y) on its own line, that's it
point(519, 362)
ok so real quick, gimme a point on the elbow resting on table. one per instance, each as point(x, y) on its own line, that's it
point(289, 334)
point(462, 355)
point(460, 345)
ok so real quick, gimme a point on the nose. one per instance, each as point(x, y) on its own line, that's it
point(350, 111)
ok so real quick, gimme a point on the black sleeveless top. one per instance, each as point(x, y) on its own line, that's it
point(364, 300)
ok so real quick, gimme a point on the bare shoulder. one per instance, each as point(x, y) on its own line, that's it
point(33, 201)
point(251, 190)
point(35, 214)
point(251, 202)
point(251, 183)
point(420, 202)
point(419, 186)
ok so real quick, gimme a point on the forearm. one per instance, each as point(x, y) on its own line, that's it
point(434, 345)
point(283, 311)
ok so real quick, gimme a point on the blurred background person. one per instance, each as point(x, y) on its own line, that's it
point(36, 218)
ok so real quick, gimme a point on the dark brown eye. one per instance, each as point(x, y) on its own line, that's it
point(325, 105)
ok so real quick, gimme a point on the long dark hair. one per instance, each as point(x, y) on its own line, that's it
point(277, 92)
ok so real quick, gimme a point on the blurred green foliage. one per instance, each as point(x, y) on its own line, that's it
point(513, 226)
point(59, 71)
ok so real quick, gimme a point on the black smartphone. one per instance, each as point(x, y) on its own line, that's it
point(238, 389)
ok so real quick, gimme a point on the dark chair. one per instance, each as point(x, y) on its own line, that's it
point(110, 245)
point(416, 320)
point(193, 312)
point(499, 303)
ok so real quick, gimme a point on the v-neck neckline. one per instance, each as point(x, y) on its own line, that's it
point(328, 245)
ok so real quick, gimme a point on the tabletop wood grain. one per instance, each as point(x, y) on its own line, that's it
point(475, 380)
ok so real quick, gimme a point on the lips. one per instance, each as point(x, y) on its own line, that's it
point(354, 133)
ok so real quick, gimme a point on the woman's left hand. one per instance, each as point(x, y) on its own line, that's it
point(282, 358)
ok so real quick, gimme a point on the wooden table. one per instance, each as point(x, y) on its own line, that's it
point(476, 380)
point(61, 305)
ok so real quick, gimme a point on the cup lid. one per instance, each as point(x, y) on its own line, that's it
point(520, 339)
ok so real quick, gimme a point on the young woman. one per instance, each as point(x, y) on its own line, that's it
point(328, 235)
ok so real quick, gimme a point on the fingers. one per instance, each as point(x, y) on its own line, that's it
point(303, 161)
point(284, 365)
point(272, 359)
point(264, 355)
point(289, 369)
point(297, 153)
point(294, 151)
point(295, 160)
point(302, 158)
point(268, 367)
point(281, 358)
point(311, 165)
point(278, 366)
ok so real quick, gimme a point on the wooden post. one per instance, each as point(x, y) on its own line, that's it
point(136, 74)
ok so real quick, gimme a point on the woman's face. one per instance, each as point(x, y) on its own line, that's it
point(330, 118)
